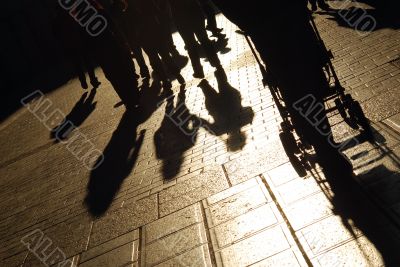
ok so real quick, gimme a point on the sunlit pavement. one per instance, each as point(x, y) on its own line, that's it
point(232, 198)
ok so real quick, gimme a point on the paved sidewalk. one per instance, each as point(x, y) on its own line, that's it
point(230, 199)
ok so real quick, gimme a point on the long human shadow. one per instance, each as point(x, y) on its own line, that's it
point(121, 153)
point(225, 106)
point(177, 134)
point(75, 118)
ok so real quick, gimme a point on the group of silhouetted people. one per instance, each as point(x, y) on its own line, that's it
point(280, 30)
point(134, 26)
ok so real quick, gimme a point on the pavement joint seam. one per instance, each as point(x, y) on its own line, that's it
point(287, 222)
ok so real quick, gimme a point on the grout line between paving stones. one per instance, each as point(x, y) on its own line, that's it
point(288, 224)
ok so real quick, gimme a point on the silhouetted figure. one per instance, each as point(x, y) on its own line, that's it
point(165, 17)
point(189, 20)
point(125, 19)
point(69, 34)
point(294, 58)
point(75, 118)
point(321, 4)
point(151, 35)
point(225, 106)
point(209, 11)
point(113, 56)
point(177, 134)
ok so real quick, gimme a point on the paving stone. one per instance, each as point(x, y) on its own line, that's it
point(110, 245)
point(119, 256)
point(283, 259)
point(192, 191)
point(197, 257)
point(359, 252)
point(123, 220)
point(308, 210)
point(394, 122)
point(297, 189)
point(256, 162)
point(282, 174)
point(174, 244)
point(253, 249)
point(232, 191)
point(235, 205)
point(243, 226)
point(173, 222)
point(325, 234)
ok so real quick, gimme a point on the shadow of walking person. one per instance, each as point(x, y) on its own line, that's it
point(78, 114)
point(177, 134)
point(225, 106)
point(121, 153)
point(120, 156)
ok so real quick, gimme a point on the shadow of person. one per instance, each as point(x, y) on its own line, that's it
point(225, 107)
point(121, 153)
point(177, 134)
point(120, 156)
point(361, 216)
point(75, 118)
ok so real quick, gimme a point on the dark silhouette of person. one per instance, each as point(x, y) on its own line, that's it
point(177, 134)
point(189, 20)
point(151, 35)
point(209, 12)
point(75, 118)
point(69, 34)
point(165, 17)
point(294, 58)
point(225, 106)
point(124, 15)
point(114, 58)
point(321, 4)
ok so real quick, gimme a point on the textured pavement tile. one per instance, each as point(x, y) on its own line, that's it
point(297, 189)
point(174, 244)
point(242, 226)
point(253, 249)
point(256, 162)
point(110, 245)
point(394, 122)
point(282, 174)
point(359, 252)
point(15, 260)
point(231, 191)
point(283, 259)
point(308, 210)
point(173, 222)
point(235, 205)
point(198, 257)
point(123, 220)
point(325, 234)
point(72, 235)
point(191, 191)
point(119, 256)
